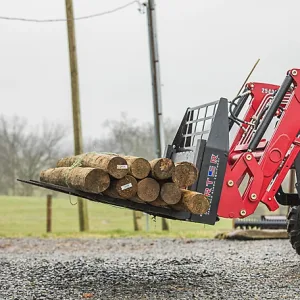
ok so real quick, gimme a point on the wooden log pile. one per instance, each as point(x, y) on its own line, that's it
point(159, 182)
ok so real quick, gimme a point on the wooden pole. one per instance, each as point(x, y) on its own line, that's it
point(78, 147)
point(137, 224)
point(49, 213)
point(156, 86)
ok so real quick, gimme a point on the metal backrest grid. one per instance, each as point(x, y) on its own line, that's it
point(198, 124)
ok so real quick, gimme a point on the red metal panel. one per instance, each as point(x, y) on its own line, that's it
point(268, 165)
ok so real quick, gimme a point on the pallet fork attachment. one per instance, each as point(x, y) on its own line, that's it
point(207, 147)
point(203, 139)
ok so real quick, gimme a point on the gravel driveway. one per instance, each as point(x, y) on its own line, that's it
point(147, 269)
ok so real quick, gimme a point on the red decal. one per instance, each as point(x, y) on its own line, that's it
point(207, 192)
point(214, 159)
point(208, 181)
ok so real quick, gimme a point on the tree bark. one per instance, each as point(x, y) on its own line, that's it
point(170, 193)
point(193, 202)
point(148, 189)
point(84, 179)
point(185, 174)
point(162, 168)
point(138, 167)
point(114, 165)
point(124, 188)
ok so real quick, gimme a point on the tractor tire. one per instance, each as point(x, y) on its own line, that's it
point(293, 227)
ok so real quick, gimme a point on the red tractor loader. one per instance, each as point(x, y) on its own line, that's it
point(243, 149)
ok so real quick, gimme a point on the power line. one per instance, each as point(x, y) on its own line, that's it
point(75, 19)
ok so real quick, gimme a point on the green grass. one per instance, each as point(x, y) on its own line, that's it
point(26, 216)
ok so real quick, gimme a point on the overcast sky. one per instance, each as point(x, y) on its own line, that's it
point(206, 50)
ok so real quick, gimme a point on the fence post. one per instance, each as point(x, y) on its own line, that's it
point(49, 213)
point(137, 222)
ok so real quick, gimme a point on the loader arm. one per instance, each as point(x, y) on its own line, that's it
point(256, 164)
point(265, 175)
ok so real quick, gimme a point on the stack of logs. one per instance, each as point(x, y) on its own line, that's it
point(159, 182)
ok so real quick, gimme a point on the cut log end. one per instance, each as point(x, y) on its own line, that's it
point(97, 181)
point(159, 203)
point(136, 199)
point(117, 167)
point(170, 193)
point(193, 202)
point(162, 168)
point(185, 174)
point(138, 167)
point(127, 187)
point(148, 189)
point(124, 188)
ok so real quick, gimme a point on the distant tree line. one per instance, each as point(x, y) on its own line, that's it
point(25, 150)
point(130, 137)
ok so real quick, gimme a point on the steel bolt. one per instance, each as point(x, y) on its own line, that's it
point(253, 196)
point(230, 183)
point(243, 212)
point(294, 72)
point(248, 156)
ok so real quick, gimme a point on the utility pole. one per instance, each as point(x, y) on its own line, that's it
point(156, 87)
point(78, 146)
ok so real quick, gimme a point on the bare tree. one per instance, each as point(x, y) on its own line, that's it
point(11, 133)
point(25, 151)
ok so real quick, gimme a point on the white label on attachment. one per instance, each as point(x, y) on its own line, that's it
point(126, 186)
point(122, 167)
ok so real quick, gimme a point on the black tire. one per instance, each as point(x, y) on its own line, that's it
point(293, 228)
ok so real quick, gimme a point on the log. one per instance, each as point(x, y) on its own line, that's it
point(124, 188)
point(114, 165)
point(57, 176)
point(138, 167)
point(158, 202)
point(185, 174)
point(193, 202)
point(162, 168)
point(148, 189)
point(253, 234)
point(136, 199)
point(90, 180)
point(170, 193)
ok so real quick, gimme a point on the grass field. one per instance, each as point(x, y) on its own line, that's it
point(26, 216)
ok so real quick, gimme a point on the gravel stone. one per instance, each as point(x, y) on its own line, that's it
point(137, 268)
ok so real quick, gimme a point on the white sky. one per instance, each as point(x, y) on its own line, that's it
point(206, 50)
